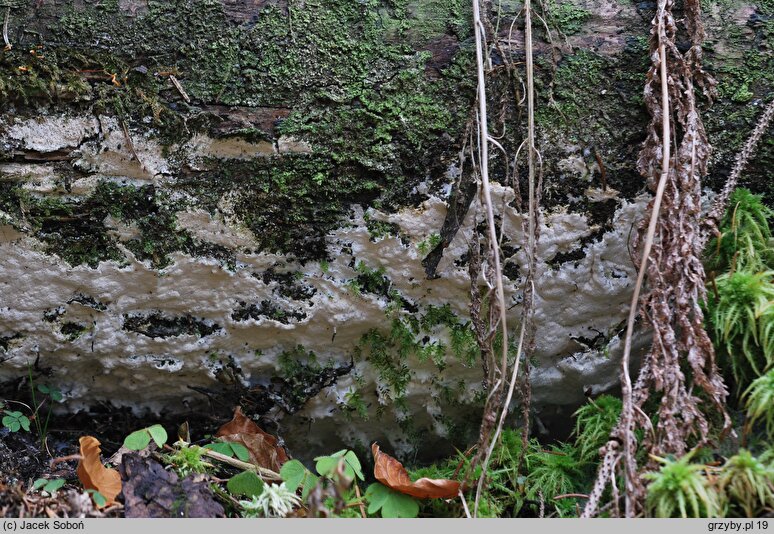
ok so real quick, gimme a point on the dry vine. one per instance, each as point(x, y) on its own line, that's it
point(497, 404)
point(681, 358)
point(497, 314)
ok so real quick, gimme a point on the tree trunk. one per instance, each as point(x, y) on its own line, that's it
point(212, 202)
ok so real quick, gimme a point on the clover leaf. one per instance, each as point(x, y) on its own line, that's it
point(140, 439)
point(391, 503)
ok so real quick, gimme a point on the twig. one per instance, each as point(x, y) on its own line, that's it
point(179, 88)
point(484, 169)
point(61, 459)
point(627, 415)
point(602, 171)
point(492, 404)
point(264, 473)
point(360, 499)
point(501, 421)
point(130, 144)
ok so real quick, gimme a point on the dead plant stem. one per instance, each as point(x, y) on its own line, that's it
point(627, 414)
point(5, 28)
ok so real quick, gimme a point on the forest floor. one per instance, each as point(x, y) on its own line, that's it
point(25, 458)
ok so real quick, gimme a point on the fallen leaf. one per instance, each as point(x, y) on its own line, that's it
point(94, 475)
point(392, 474)
point(263, 447)
point(152, 491)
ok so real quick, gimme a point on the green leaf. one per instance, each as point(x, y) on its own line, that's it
point(53, 485)
point(326, 464)
point(310, 481)
point(137, 440)
point(293, 473)
point(43, 388)
point(245, 483)
point(241, 451)
point(25, 423)
point(56, 395)
point(391, 503)
point(11, 424)
point(39, 483)
point(99, 499)
point(354, 463)
point(376, 495)
point(221, 447)
point(158, 434)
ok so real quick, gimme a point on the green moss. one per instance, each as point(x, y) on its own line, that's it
point(412, 336)
point(381, 229)
point(567, 17)
point(72, 331)
point(426, 245)
point(275, 199)
point(577, 77)
point(419, 21)
point(740, 81)
point(371, 280)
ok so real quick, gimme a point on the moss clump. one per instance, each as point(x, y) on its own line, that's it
point(417, 336)
point(286, 211)
point(420, 21)
point(741, 81)
point(567, 17)
point(381, 229)
point(577, 77)
point(72, 331)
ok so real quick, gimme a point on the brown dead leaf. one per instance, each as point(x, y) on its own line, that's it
point(392, 474)
point(263, 447)
point(93, 475)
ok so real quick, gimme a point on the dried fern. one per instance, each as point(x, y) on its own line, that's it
point(681, 362)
